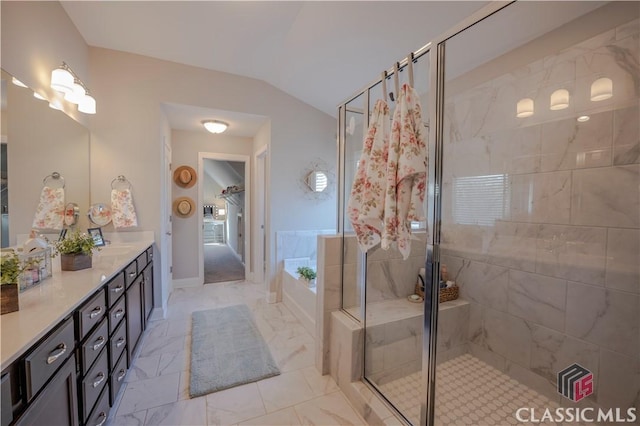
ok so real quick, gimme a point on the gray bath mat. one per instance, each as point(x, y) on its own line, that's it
point(227, 350)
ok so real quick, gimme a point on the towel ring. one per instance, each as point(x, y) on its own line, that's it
point(54, 177)
point(120, 180)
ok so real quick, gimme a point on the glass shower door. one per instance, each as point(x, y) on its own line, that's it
point(540, 216)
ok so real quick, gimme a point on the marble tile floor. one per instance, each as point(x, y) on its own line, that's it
point(156, 391)
point(468, 392)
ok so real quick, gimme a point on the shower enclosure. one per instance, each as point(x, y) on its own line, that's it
point(533, 122)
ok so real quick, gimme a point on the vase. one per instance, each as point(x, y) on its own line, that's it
point(75, 262)
point(9, 298)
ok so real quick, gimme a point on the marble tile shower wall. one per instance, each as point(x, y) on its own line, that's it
point(388, 275)
point(556, 279)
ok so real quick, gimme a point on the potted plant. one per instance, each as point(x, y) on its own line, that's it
point(307, 274)
point(75, 251)
point(11, 267)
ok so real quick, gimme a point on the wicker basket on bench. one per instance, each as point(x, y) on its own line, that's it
point(448, 294)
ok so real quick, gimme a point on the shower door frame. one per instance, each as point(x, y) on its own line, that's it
point(435, 50)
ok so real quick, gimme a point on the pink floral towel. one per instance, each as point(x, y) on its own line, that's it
point(406, 175)
point(366, 203)
point(123, 213)
point(50, 210)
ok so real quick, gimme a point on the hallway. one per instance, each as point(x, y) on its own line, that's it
point(221, 264)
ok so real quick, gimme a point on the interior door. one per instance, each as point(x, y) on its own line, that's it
point(167, 246)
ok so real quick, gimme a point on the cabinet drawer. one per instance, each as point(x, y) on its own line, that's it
point(48, 356)
point(115, 289)
point(118, 343)
point(93, 383)
point(91, 314)
point(130, 273)
point(92, 346)
point(100, 414)
point(117, 377)
point(142, 261)
point(116, 314)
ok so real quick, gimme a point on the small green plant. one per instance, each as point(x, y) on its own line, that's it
point(306, 272)
point(11, 267)
point(76, 243)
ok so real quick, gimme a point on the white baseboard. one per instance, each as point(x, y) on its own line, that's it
point(158, 314)
point(187, 282)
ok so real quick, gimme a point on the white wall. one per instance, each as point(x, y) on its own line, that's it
point(185, 148)
point(130, 89)
point(36, 38)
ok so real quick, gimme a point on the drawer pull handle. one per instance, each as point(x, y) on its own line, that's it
point(101, 341)
point(120, 342)
point(101, 377)
point(95, 312)
point(132, 274)
point(104, 418)
point(119, 313)
point(122, 374)
point(57, 353)
point(118, 289)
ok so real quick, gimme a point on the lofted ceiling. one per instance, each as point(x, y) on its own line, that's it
point(320, 52)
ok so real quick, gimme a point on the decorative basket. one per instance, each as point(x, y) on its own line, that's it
point(448, 294)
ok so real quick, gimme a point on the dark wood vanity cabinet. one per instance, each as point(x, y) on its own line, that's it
point(73, 375)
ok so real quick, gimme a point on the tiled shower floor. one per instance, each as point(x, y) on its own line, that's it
point(468, 391)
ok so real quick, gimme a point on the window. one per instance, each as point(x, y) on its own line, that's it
point(480, 200)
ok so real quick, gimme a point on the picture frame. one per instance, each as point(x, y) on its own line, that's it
point(63, 234)
point(96, 234)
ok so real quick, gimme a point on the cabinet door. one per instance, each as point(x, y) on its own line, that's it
point(134, 316)
point(148, 292)
point(57, 404)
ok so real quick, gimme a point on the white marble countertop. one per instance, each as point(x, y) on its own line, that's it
point(46, 304)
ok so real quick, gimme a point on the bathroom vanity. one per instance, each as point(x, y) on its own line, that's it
point(66, 352)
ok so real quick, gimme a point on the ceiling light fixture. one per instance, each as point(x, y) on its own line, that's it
point(215, 126)
point(524, 108)
point(601, 89)
point(583, 118)
point(64, 80)
point(559, 99)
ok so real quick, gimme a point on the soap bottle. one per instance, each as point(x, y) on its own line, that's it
point(444, 273)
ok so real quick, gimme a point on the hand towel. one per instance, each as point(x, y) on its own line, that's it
point(123, 213)
point(406, 174)
point(50, 210)
point(366, 202)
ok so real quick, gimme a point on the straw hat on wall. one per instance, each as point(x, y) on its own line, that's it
point(185, 176)
point(184, 207)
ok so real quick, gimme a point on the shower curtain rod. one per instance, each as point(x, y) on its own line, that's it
point(389, 72)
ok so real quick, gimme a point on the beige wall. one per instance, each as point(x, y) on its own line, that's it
point(186, 146)
point(129, 129)
point(36, 38)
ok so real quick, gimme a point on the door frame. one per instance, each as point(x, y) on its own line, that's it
point(261, 262)
point(246, 159)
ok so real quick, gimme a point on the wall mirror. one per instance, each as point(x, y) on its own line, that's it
point(38, 141)
point(317, 181)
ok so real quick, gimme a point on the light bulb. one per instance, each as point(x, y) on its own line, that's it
point(559, 99)
point(601, 89)
point(62, 80)
point(524, 108)
point(87, 104)
point(215, 126)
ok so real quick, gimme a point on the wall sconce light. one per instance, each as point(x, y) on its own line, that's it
point(601, 89)
point(39, 96)
point(55, 104)
point(215, 126)
point(559, 99)
point(524, 108)
point(64, 80)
